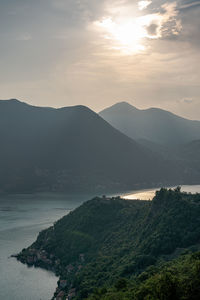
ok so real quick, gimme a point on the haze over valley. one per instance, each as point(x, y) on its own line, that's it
point(99, 150)
point(53, 160)
point(73, 149)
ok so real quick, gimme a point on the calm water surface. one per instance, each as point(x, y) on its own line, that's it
point(21, 219)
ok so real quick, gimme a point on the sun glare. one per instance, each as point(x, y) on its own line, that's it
point(130, 34)
point(125, 35)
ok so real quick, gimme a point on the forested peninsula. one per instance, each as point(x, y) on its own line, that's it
point(111, 248)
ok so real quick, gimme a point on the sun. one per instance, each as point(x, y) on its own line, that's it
point(126, 35)
point(130, 33)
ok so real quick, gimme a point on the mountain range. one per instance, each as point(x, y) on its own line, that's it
point(69, 149)
point(153, 124)
point(73, 149)
point(170, 136)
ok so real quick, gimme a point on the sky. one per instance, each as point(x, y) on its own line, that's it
point(96, 53)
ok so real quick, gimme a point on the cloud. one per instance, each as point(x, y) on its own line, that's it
point(189, 4)
point(187, 100)
point(49, 47)
point(152, 29)
point(129, 33)
point(143, 4)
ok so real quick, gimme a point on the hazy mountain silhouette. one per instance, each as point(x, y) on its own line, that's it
point(72, 149)
point(191, 151)
point(190, 155)
point(155, 125)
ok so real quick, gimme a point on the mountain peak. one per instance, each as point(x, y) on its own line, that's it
point(120, 107)
point(12, 101)
point(152, 124)
point(124, 104)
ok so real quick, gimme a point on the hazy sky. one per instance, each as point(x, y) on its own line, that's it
point(98, 52)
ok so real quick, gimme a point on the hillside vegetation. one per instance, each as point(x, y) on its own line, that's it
point(178, 279)
point(107, 240)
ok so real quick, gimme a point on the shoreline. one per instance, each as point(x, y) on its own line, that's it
point(96, 192)
point(38, 258)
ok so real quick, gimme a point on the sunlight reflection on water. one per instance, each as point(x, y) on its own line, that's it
point(149, 194)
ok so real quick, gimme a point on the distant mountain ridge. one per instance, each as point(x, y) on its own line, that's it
point(153, 124)
point(72, 149)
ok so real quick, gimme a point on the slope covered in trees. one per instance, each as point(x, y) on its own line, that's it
point(177, 280)
point(105, 240)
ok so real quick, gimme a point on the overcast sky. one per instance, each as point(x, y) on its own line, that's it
point(99, 52)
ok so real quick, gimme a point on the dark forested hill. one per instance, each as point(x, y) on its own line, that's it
point(72, 149)
point(176, 280)
point(155, 125)
point(105, 240)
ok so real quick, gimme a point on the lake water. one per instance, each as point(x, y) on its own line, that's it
point(21, 219)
